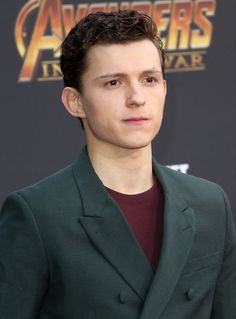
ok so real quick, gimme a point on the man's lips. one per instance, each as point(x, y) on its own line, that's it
point(136, 120)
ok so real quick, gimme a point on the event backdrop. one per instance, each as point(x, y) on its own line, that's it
point(38, 137)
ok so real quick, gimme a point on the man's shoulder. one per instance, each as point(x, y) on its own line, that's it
point(54, 180)
point(51, 191)
point(184, 178)
point(195, 190)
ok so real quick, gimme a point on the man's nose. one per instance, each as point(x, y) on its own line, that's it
point(135, 96)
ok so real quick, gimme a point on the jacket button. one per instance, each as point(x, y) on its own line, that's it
point(123, 297)
point(190, 294)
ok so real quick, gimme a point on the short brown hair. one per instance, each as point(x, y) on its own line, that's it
point(119, 27)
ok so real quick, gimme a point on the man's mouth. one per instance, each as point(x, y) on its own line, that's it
point(136, 120)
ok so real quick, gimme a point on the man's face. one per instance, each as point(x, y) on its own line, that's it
point(123, 95)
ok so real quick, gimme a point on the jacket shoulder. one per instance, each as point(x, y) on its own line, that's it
point(49, 184)
point(185, 178)
point(51, 193)
point(195, 190)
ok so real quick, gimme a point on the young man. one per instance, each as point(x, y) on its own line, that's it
point(116, 235)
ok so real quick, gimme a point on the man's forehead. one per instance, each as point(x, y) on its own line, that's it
point(115, 48)
point(120, 58)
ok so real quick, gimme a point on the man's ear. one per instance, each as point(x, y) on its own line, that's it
point(165, 86)
point(71, 99)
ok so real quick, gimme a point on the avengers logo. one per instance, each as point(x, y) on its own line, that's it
point(185, 27)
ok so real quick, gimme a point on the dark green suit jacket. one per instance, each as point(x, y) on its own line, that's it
point(67, 252)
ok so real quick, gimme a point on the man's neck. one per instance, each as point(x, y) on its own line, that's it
point(127, 171)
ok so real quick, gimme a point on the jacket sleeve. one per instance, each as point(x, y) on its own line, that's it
point(224, 305)
point(23, 265)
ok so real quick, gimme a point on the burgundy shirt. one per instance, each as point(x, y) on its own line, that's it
point(144, 213)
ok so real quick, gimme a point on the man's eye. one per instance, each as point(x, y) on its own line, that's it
point(150, 80)
point(112, 83)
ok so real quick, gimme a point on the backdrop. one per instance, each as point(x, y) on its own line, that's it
point(38, 137)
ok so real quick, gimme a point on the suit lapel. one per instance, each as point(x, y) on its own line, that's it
point(108, 230)
point(179, 227)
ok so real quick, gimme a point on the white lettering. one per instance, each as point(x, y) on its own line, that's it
point(183, 168)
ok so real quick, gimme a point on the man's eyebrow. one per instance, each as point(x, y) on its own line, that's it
point(121, 74)
point(152, 71)
point(110, 75)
